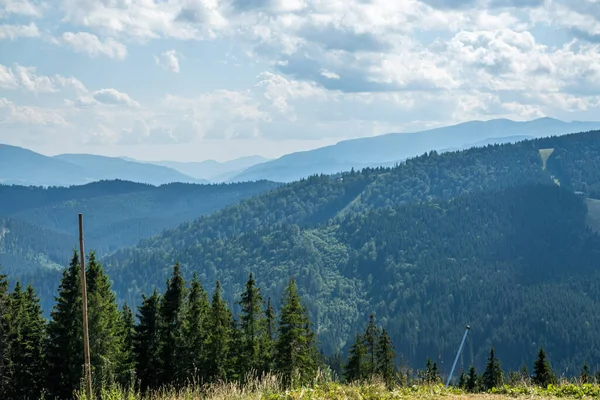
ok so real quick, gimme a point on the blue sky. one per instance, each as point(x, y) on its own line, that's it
point(220, 79)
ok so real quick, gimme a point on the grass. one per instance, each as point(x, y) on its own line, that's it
point(270, 389)
point(593, 217)
point(545, 154)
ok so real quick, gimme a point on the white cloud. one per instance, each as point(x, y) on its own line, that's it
point(168, 60)
point(20, 7)
point(84, 42)
point(14, 31)
point(109, 96)
point(11, 113)
point(25, 78)
point(332, 69)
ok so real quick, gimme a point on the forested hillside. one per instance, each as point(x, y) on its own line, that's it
point(38, 226)
point(483, 236)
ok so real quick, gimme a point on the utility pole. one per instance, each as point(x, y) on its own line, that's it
point(86, 340)
point(458, 354)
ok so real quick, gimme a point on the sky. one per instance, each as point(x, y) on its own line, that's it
point(219, 79)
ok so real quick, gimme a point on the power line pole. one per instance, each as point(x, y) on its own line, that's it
point(458, 354)
point(86, 340)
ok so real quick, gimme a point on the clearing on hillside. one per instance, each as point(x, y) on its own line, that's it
point(545, 154)
point(593, 217)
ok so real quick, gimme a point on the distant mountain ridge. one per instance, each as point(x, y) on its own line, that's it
point(19, 166)
point(211, 170)
point(385, 150)
point(24, 167)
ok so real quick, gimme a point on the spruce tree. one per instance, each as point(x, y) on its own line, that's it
point(385, 358)
point(492, 376)
point(171, 328)
point(462, 380)
point(196, 331)
point(543, 375)
point(105, 328)
point(252, 329)
point(126, 369)
point(267, 346)
point(219, 363)
point(64, 348)
point(146, 342)
point(355, 369)
point(295, 349)
point(584, 377)
point(431, 372)
point(371, 339)
point(472, 381)
point(4, 346)
point(26, 337)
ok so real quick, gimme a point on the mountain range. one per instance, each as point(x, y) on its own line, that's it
point(500, 233)
point(24, 167)
point(388, 149)
point(20, 166)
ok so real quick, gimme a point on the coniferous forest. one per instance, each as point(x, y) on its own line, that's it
point(388, 266)
point(187, 336)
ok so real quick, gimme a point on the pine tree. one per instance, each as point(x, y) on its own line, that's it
point(105, 329)
point(543, 375)
point(462, 380)
point(524, 373)
point(472, 381)
point(267, 346)
point(26, 337)
point(295, 349)
point(385, 359)
point(584, 377)
point(252, 329)
point(126, 370)
point(146, 342)
point(64, 348)
point(355, 369)
point(220, 338)
point(4, 347)
point(171, 329)
point(435, 374)
point(431, 372)
point(492, 376)
point(196, 331)
point(371, 338)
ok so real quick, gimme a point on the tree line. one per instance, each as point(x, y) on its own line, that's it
point(184, 336)
point(176, 338)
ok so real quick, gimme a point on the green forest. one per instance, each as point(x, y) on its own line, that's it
point(497, 237)
point(184, 336)
point(486, 236)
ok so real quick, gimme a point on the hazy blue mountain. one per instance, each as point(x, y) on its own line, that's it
point(22, 166)
point(212, 170)
point(393, 147)
point(19, 166)
point(99, 167)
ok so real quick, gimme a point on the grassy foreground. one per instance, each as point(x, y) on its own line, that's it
point(270, 390)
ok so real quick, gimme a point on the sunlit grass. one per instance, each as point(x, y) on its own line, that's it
point(545, 154)
point(270, 388)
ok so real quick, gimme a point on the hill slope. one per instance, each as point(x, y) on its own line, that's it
point(116, 214)
point(387, 149)
point(482, 236)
